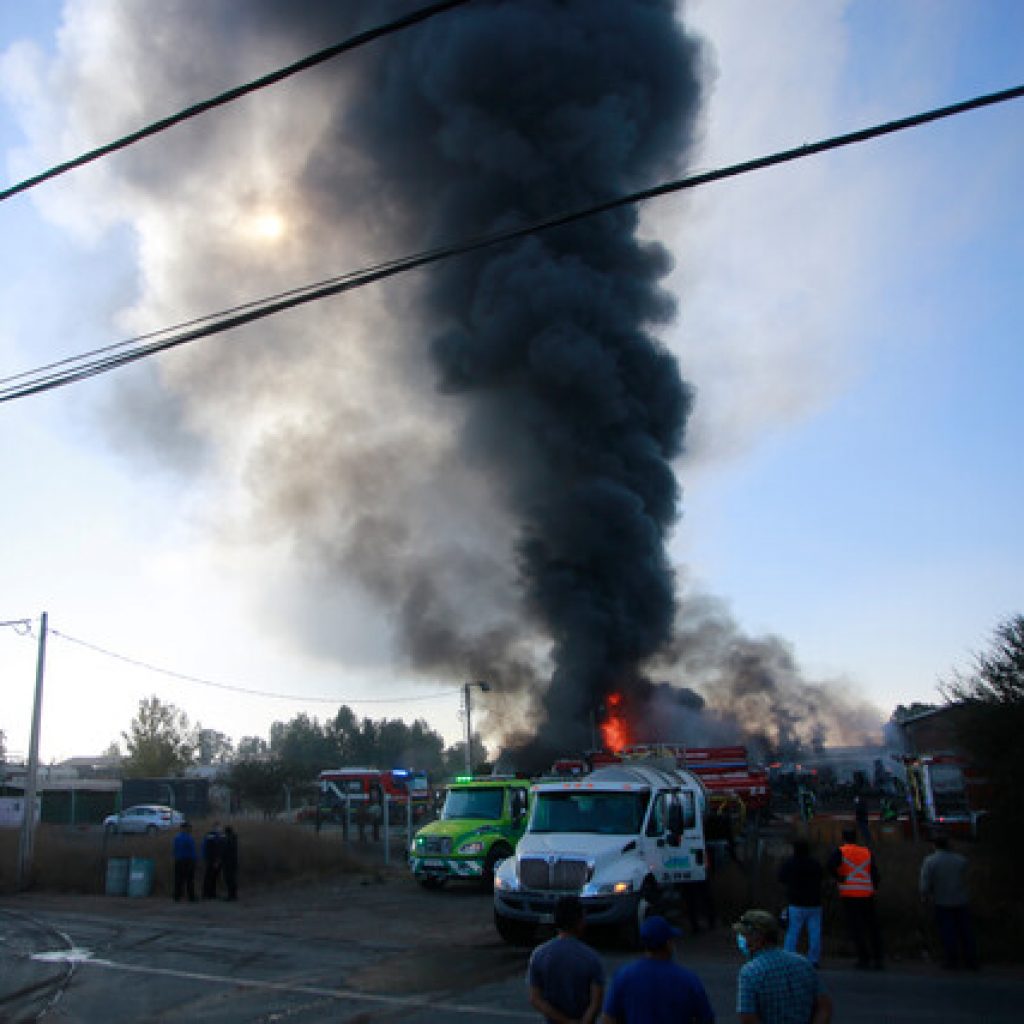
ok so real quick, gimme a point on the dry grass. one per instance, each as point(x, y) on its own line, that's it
point(908, 931)
point(270, 853)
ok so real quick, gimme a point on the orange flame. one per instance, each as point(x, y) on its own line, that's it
point(614, 729)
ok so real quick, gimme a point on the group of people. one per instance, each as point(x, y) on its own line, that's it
point(219, 856)
point(853, 866)
point(775, 985)
point(567, 983)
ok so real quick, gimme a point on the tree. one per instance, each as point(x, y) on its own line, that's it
point(991, 696)
point(213, 747)
point(252, 748)
point(159, 741)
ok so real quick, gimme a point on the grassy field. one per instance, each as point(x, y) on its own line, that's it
point(270, 853)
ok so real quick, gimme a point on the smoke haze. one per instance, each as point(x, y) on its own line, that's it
point(471, 469)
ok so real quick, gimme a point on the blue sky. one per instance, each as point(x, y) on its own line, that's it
point(852, 326)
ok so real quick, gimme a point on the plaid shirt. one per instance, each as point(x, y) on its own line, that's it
point(779, 987)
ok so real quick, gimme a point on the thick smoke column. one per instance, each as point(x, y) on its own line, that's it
point(506, 114)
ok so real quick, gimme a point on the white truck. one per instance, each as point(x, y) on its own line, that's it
point(625, 839)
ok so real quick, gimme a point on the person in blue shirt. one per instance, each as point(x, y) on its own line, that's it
point(655, 989)
point(184, 852)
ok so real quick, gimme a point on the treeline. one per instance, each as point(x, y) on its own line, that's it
point(267, 773)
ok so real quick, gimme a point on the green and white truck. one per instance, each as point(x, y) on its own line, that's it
point(480, 824)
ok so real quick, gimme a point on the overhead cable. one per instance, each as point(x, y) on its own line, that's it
point(300, 698)
point(320, 57)
point(98, 361)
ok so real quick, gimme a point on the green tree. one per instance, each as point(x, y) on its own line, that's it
point(991, 696)
point(159, 742)
point(252, 748)
point(213, 747)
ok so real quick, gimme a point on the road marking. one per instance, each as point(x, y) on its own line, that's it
point(85, 958)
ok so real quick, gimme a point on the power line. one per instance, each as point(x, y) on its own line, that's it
point(244, 689)
point(320, 57)
point(238, 316)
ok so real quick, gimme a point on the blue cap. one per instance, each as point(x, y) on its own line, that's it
point(655, 932)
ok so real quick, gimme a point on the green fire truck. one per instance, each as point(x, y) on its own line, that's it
point(480, 824)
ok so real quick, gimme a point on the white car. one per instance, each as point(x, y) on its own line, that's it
point(144, 818)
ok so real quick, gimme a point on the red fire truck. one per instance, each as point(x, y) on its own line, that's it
point(725, 771)
point(360, 786)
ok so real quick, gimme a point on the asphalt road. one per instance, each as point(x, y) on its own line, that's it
point(367, 950)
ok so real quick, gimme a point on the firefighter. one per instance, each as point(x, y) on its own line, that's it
point(806, 800)
point(853, 867)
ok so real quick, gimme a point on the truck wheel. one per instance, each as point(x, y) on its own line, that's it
point(515, 933)
point(497, 853)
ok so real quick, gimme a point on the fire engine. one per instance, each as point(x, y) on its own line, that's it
point(732, 784)
point(341, 787)
point(941, 789)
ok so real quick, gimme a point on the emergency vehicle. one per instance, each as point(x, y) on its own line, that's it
point(356, 787)
point(480, 823)
point(625, 839)
point(941, 790)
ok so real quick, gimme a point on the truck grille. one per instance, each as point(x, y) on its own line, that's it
point(563, 874)
point(437, 844)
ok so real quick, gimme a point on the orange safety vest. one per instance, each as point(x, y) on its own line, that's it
point(855, 872)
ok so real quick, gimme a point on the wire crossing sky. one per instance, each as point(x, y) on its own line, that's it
point(231, 95)
point(84, 366)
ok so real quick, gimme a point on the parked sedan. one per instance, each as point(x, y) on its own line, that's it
point(147, 818)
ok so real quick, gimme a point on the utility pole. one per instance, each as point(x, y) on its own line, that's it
point(485, 687)
point(28, 821)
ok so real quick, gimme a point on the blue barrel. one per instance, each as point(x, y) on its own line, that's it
point(117, 876)
point(140, 876)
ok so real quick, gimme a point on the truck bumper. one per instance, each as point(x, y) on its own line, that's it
point(447, 867)
point(539, 907)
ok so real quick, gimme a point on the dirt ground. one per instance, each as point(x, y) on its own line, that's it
point(372, 946)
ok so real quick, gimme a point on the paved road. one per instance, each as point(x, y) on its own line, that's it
point(374, 952)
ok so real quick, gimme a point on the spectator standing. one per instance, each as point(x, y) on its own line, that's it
point(655, 989)
point(565, 976)
point(229, 861)
point(856, 874)
point(802, 876)
point(861, 815)
point(775, 987)
point(184, 852)
point(944, 885)
point(212, 849)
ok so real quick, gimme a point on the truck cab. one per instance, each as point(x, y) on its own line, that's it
point(481, 822)
point(625, 839)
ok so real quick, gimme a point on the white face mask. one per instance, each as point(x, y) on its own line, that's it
point(743, 945)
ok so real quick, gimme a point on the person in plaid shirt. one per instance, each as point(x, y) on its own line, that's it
point(775, 987)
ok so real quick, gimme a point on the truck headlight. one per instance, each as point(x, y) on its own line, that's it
point(474, 847)
point(607, 888)
point(506, 884)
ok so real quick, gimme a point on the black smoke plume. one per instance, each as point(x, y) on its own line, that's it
point(507, 114)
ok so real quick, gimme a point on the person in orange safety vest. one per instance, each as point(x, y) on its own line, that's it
point(856, 874)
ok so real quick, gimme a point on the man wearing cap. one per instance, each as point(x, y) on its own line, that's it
point(655, 989)
point(566, 977)
point(775, 987)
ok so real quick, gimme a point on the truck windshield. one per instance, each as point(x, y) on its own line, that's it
point(473, 803)
point(949, 791)
point(613, 814)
